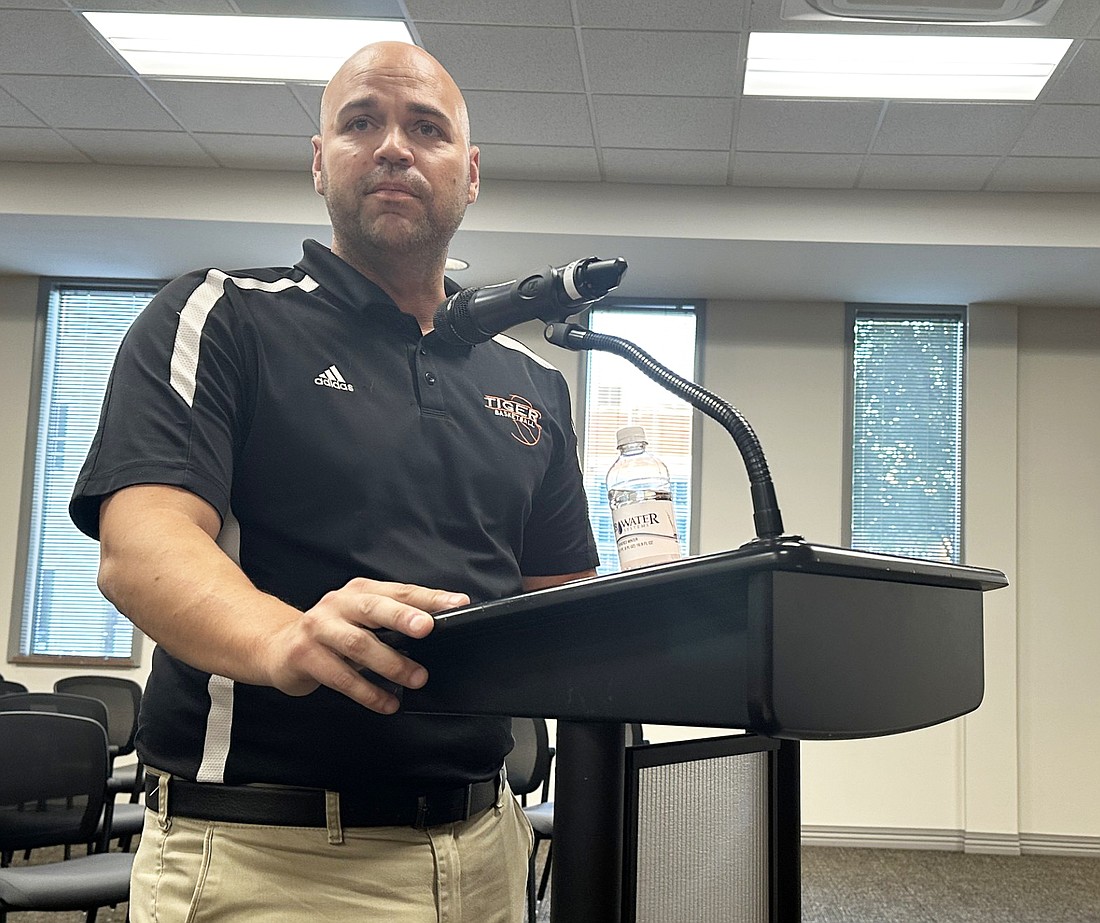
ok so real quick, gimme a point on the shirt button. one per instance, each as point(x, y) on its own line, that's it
point(429, 378)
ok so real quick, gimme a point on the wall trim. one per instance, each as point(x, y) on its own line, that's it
point(1004, 844)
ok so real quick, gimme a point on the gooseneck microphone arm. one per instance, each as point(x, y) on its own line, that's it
point(766, 516)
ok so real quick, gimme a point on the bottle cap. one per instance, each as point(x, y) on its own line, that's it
point(629, 434)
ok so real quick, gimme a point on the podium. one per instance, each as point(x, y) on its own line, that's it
point(784, 638)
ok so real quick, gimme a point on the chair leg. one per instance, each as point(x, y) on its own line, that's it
point(90, 918)
point(531, 887)
point(546, 871)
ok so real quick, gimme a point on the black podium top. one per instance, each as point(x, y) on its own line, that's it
point(784, 637)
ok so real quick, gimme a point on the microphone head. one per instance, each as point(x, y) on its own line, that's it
point(595, 278)
point(454, 324)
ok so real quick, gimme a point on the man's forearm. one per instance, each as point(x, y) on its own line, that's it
point(160, 565)
point(162, 569)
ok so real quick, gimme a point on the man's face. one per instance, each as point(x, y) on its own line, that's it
point(393, 160)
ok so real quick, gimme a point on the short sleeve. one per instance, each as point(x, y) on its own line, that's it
point(175, 402)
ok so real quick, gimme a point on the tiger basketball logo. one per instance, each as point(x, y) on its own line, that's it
point(521, 413)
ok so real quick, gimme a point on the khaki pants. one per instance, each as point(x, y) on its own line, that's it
point(194, 871)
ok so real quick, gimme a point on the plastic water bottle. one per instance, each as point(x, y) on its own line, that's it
point(640, 494)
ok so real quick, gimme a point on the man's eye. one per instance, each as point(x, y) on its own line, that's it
point(359, 124)
point(429, 130)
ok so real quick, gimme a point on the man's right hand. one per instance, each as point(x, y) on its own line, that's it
point(331, 642)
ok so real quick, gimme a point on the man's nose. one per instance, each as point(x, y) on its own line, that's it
point(393, 147)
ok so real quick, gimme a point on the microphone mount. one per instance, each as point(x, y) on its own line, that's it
point(766, 516)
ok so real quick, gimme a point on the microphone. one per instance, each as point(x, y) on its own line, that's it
point(475, 315)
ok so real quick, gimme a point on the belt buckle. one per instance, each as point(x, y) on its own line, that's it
point(421, 822)
point(424, 809)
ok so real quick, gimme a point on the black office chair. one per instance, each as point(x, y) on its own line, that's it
point(541, 815)
point(8, 686)
point(118, 822)
point(528, 767)
point(53, 776)
point(123, 700)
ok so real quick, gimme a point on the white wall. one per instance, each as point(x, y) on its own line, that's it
point(1018, 773)
point(1059, 617)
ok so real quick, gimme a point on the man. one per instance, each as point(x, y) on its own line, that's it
point(288, 458)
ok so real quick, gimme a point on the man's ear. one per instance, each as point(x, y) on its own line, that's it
point(318, 173)
point(475, 175)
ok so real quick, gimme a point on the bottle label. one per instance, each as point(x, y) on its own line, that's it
point(645, 533)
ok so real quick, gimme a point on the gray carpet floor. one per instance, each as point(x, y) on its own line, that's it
point(841, 885)
point(917, 886)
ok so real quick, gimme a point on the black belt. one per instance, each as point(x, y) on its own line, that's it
point(306, 807)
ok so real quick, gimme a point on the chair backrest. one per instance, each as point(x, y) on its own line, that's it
point(53, 776)
point(8, 686)
point(123, 700)
point(529, 761)
point(59, 703)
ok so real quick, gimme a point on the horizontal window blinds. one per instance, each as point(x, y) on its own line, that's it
point(619, 395)
point(907, 434)
point(64, 614)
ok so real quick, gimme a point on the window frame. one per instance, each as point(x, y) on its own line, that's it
point(852, 311)
point(698, 306)
point(46, 287)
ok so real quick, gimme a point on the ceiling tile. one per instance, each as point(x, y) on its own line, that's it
point(247, 108)
point(309, 97)
point(1079, 81)
point(1047, 174)
point(263, 152)
point(1061, 131)
point(384, 9)
point(521, 58)
point(889, 171)
point(702, 15)
point(806, 126)
point(37, 145)
point(553, 119)
point(507, 12)
point(72, 47)
point(950, 128)
point(815, 171)
point(673, 122)
point(661, 64)
point(676, 168)
point(522, 161)
point(158, 148)
point(14, 114)
point(90, 102)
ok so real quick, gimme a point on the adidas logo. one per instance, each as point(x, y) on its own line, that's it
point(331, 378)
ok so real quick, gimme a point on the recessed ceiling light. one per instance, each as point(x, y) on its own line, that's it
point(456, 265)
point(240, 47)
point(899, 66)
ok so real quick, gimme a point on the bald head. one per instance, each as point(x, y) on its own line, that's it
point(394, 162)
point(400, 61)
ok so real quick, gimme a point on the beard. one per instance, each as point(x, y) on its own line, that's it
point(423, 228)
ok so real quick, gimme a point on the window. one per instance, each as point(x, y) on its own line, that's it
point(61, 612)
point(906, 425)
point(618, 395)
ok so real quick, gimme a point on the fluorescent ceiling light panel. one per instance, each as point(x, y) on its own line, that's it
point(240, 47)
point(899, 66)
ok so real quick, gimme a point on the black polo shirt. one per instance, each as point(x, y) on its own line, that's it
point(335, 441)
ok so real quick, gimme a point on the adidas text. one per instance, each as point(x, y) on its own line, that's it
point(331, 378)
point(329, 383)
